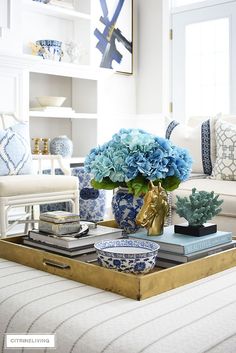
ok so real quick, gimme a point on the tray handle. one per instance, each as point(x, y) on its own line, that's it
point(52, 263)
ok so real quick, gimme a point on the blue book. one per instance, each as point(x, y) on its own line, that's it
point(184, 244)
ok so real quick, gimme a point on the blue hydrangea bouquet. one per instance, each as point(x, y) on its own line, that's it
point(133, 157)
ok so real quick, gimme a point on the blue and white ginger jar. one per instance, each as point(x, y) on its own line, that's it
point(61, 145)
point(125, 207)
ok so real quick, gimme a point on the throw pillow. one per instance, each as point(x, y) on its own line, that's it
point(225, 165)
point(15, 152)
point(198, 140)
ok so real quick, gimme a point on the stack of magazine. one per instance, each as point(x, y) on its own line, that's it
point(62, 233)
point(177, 248)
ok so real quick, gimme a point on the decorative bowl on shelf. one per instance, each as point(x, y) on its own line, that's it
point(48, 49)
point(50, 101)
point(127, 255)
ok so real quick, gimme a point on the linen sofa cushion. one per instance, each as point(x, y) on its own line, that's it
point(226, 190)
point(199, 139)
point(34, 184)
point(225, 165)
point(15, 152)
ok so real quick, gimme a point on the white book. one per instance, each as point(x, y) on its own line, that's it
point(94, 235)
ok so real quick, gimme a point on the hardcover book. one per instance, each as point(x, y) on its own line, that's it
point(58, 249)
point(163, 263)
point(184, 244)
point(97, 234)
point(196, 255)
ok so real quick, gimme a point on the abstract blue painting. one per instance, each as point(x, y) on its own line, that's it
point(113, 34)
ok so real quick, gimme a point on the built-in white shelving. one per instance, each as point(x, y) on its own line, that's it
point(52, 10)
point(24, 76)
point(38, 64)
point(60, 115)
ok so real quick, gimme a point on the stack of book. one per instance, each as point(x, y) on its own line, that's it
point(177, 248)
point(52, 235)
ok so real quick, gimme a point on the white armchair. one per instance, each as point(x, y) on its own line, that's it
point(34, 189)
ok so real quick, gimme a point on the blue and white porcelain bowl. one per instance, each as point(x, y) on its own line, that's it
point(50, 49)
point(127, 255)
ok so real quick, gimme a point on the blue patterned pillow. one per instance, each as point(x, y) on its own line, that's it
point(15, 152)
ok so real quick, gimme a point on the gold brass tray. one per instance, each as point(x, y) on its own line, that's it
point(129, 285)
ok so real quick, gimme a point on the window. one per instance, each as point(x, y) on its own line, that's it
point(202, 58)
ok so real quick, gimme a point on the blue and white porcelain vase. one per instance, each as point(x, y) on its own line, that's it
point(61, 145)
point(125, 207)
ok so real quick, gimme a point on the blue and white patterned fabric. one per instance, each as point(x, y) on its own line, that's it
point(15, 152)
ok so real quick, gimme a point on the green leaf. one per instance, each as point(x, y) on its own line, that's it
point(138, 186)
point(170, 183)
point(105, 184)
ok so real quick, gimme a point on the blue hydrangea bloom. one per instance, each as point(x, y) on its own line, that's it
point(134, 152)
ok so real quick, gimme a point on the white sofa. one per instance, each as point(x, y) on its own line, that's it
point(221, 157)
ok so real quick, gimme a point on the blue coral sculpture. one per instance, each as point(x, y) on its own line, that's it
point(199, 207)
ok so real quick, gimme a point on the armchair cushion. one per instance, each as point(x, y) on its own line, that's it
point(15, 153)
point(34, 184)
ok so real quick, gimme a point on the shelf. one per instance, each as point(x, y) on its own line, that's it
point(45, 114)
point(53, 10)
point(60, 115)
point(37, 64)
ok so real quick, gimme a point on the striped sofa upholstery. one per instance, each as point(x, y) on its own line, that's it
point(199, 317)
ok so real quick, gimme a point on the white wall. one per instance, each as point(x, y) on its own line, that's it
point(147, 90)
point(152, 67)
point(144, 93)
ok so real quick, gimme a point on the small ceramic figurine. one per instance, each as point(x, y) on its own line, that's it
point(154, 211)
point(73, 51)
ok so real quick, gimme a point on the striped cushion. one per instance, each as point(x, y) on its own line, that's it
point(199, 317)
point(198, 139)
point(15, 153)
